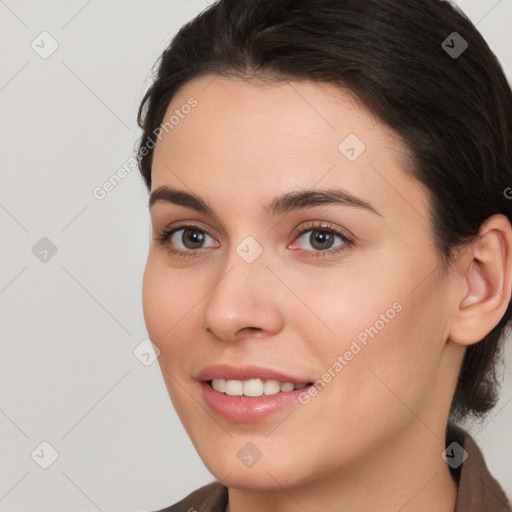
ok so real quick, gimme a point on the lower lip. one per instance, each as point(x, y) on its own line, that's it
point(246, 409)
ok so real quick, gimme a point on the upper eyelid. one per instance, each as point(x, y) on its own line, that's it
point(328, 226)
point(185, 225)
point(347, 239)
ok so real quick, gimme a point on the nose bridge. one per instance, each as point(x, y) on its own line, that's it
point(242, 297)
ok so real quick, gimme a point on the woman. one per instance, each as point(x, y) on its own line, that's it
point(330, 272)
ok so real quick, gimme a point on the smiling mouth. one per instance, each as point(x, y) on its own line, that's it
point(254, 387)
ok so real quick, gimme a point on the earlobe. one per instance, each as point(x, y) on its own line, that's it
point(487, 282)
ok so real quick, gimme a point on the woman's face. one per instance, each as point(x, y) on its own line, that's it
point(341, 287)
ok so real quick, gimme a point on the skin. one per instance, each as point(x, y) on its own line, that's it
point(379, 424)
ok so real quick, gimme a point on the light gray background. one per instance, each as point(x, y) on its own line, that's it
point(69, 326)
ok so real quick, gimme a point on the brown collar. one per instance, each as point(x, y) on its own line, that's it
point(478, 490)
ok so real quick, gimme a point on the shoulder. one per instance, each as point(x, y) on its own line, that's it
point(477, 488)
point(210, 498)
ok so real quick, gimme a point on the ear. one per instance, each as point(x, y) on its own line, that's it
point(485, 269)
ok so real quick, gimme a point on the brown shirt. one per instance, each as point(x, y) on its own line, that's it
point(478, 491)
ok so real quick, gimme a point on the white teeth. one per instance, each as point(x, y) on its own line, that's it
point(219, 385)
point(234, 387)
point(271, 387)
point(253, 387)
point(287, 386)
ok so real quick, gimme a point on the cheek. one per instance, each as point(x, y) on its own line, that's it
point(166, 307)
point(172, 302)
point(168, 311)
point(155, 301)
point(397, 370)
point(346, 306)
point(382, 336)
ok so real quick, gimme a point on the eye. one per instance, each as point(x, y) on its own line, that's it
point(190, 240)
point(185, 240)
point(322, 238)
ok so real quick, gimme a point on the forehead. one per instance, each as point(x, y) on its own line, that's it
point(252, 140)
point(235, 115)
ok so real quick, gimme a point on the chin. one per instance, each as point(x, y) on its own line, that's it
point(264, 478)
point(272, 469)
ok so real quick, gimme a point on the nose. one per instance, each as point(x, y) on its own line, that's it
point(244, 301)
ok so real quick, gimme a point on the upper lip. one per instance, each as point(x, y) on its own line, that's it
point(228, 372)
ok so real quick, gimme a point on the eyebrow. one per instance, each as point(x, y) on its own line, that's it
point(295, 200)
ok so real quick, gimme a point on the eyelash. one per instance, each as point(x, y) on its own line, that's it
point(326, 227)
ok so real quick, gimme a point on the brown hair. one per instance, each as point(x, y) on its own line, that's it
point(451, 105)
